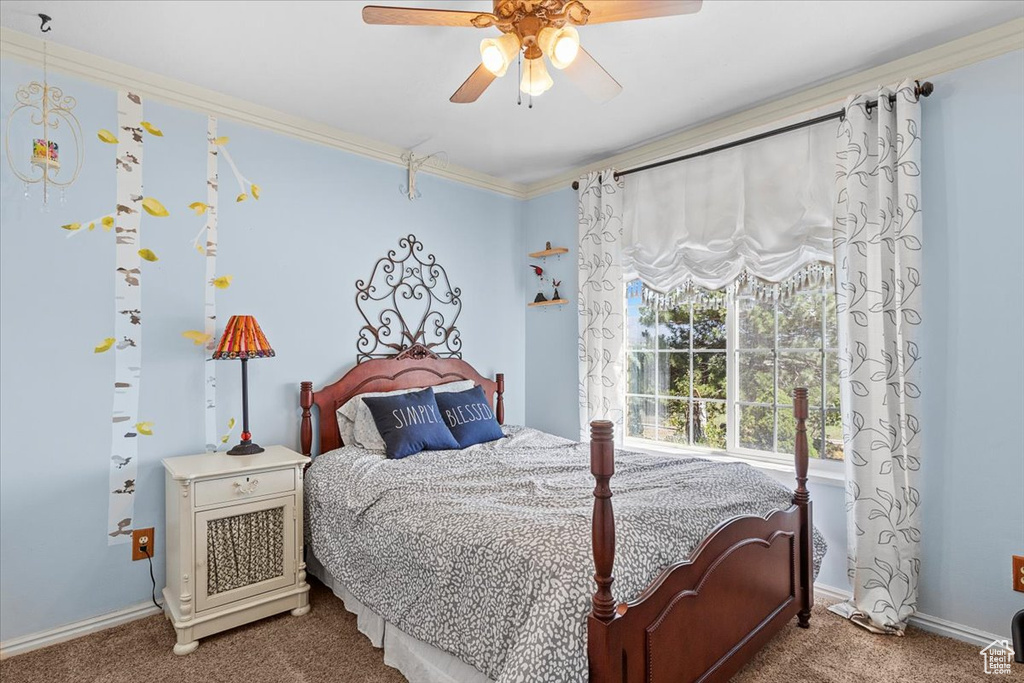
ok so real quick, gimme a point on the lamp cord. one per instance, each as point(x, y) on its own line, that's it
point(152, 578)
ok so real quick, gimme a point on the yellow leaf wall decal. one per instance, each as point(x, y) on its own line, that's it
point(107, 343)
point(92, 226)
point(200, 249)
point(151, 129)
point(198, 338)
point(231, 427)
point(108, 222)
point(255, 189)
point(72, 226)
point(144, 428)
point(242, 197)
point(154, 207)
point(148, 255)
point(222, 140)
point(222, 282)
point(107, 137)
point(199, 207)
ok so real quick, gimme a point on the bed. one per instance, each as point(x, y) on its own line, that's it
point(476, 565)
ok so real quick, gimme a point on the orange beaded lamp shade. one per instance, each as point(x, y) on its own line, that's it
point(243, 339)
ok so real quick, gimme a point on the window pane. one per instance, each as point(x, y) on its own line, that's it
point(640, 417)
point(756, 427)
point(674, 328)
point(756, 323)
point(674, 373)
point(709, 424)
point(640, 373)
point(756, 376)
point(709, 328)
point(800, 321)
point(709, 375)
point(831, 380)
point(639, 325)
point(673, 416)
point(833, 435)
point(799, 369)
point(787, 432)
point(831, 333)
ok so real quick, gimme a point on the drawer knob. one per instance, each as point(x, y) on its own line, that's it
point(249, 486)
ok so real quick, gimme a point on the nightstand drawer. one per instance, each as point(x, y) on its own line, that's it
point(243, 486)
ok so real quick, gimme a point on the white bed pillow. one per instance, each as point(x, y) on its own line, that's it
point(364, 429)
point(346, 428)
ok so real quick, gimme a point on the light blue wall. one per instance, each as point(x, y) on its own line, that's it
point(552, 369)
point(973, 461)
point(324, 218)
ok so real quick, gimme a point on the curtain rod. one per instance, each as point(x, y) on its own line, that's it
point(921, 90)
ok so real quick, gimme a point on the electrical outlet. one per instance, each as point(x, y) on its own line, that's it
point(140, 538)
point(1018, 573)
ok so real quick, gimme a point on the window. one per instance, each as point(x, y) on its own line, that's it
point(721, 375)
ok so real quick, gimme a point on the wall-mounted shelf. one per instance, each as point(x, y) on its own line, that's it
point(554, 251)
point(553, 302)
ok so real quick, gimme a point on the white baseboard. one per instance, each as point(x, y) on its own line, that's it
point(925, 622)
point(34, 641)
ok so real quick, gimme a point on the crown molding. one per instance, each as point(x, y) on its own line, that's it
point(113, 74)
point(931, 62)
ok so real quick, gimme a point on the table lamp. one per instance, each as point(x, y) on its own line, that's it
point(243, 339)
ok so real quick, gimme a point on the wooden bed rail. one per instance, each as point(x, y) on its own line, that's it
point(701, 619)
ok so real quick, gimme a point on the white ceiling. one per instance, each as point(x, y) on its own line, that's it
point(319, 61)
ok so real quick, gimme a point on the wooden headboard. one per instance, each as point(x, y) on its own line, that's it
point(414, 367)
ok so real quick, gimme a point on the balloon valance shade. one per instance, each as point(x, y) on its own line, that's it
point(242, 339)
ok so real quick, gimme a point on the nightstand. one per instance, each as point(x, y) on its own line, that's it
point(233, 541)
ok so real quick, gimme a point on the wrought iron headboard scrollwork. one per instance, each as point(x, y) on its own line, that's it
point(408, 301)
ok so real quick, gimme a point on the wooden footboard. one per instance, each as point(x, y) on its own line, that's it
point(702, 619)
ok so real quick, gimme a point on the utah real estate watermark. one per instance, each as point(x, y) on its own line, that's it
point(998, 657)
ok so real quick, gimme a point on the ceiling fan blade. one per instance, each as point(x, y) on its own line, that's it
point(416, 16)
point(604, 11)
point(474, 86)
point(591, 78)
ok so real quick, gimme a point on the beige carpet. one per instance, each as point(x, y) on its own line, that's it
point(325, 646)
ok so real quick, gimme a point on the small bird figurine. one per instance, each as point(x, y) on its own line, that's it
point(537, 270)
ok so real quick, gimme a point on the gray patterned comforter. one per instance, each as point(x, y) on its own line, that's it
point(485, 552)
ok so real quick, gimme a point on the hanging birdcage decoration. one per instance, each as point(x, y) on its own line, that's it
point(49, 113)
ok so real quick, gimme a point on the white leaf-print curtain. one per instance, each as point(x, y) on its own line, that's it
point(601, 301)
point(878, 299)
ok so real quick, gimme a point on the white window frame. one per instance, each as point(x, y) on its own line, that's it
point(822, 470)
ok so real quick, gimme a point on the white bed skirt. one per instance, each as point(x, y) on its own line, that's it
point(419, 662)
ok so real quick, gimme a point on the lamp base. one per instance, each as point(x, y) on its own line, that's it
point(246, 448)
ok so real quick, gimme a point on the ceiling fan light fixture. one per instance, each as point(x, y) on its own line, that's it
point(536, 79)
point(561, 45)
point(497, 54)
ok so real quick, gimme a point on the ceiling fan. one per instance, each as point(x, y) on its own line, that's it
point(538, 29)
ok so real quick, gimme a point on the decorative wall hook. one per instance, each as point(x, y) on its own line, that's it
point(414, 163)
point(44, 20)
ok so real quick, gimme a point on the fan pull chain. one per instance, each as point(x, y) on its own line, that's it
point(519, 93)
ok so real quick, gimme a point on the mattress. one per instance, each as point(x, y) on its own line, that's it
point(484, 553)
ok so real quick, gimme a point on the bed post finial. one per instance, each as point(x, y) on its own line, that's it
point(602, 466)
point(306, 429)
point(802, 499)
point(499, 399)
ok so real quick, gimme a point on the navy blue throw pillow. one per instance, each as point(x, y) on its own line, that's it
point(469, 416)
point(410, 423)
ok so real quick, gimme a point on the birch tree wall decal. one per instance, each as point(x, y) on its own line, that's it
point(128, 328)
point(210, 304)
